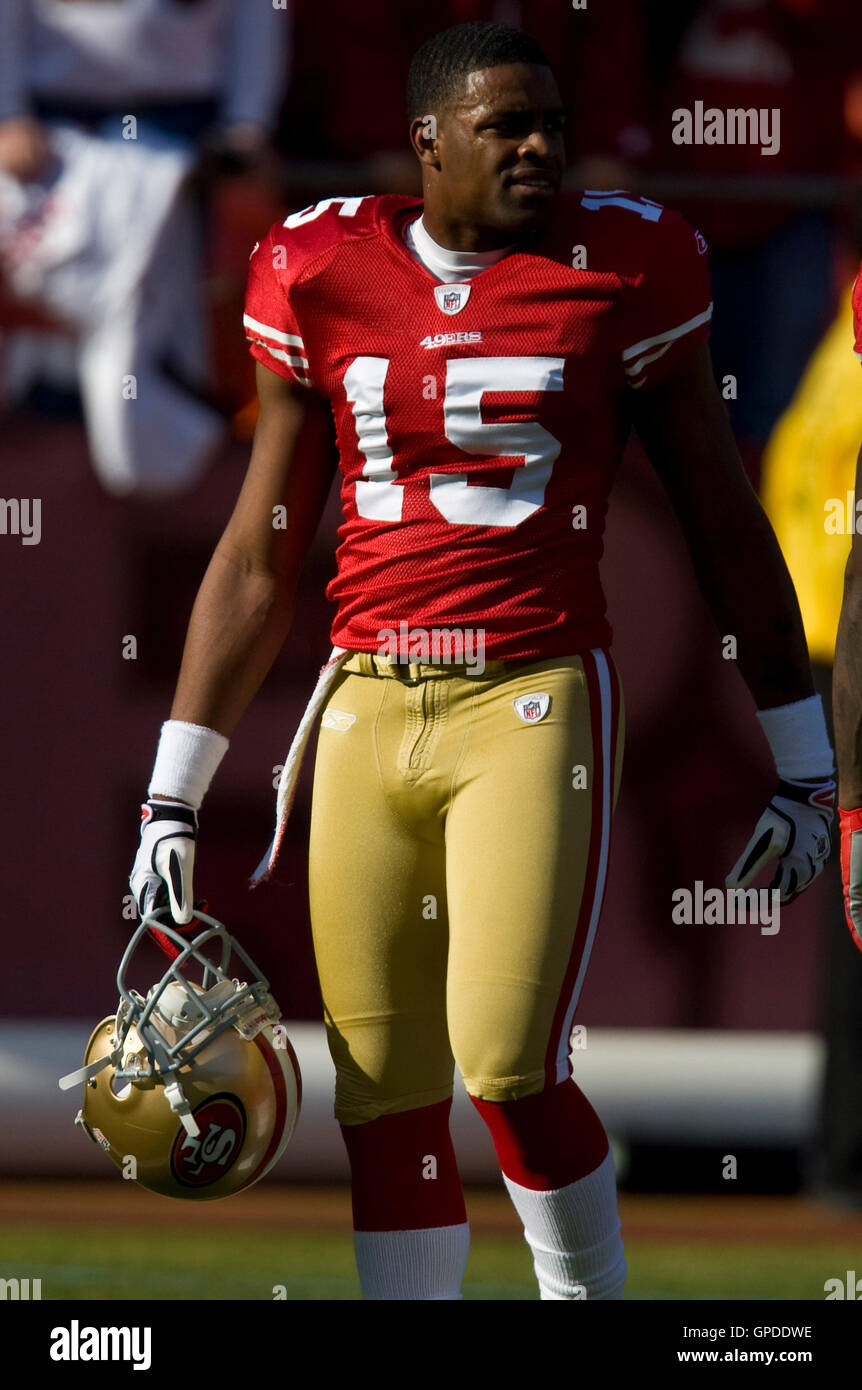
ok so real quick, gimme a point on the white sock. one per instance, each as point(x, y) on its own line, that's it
point(424, 1265)
point(573, 1233)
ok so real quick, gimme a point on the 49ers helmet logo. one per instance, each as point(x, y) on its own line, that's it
point(201, 1161)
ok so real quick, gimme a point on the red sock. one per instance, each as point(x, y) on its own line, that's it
point(389, 1160)
point(547, 1140)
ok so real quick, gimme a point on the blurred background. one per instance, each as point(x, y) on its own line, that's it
point(144, 147)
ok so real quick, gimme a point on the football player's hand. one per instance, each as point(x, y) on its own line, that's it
point(24, 148)
point(161, 875)
point(794, 829)
point(851, 870)
point(242, 147)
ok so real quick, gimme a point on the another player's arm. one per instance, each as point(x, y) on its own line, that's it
point(847, 675)
point(246, 601)
point(847, 713)
point(742, 574)
point(740, 569)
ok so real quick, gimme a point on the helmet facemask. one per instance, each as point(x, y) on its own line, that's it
point(157, 1036)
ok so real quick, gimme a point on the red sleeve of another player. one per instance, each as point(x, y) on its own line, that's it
point(857, 315)
point(271, 327)
point(670, 303)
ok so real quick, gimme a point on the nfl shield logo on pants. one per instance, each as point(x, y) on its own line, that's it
point(451, 298)
point(532, 708)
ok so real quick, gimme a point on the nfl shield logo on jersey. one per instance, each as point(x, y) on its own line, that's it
point(532, 708)
point(451, 298)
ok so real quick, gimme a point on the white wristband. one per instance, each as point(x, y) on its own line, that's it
point(798, 738)
point(186, 761)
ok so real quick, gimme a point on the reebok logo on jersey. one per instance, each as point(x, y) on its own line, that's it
point(436, 340)
point(337, 719)
point(532, 708)
point(451, 298)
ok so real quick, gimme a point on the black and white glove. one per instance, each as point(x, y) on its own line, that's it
point(851, 870)
point(161, 875)
point(795, 829)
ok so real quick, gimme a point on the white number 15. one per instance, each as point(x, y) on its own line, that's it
point(378, 493)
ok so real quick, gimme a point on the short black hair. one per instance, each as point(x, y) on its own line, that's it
point(441, 64)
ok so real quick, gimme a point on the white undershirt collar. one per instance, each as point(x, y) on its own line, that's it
point(448, 266)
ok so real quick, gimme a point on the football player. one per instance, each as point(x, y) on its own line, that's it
point(483, 352)
point(847, 699)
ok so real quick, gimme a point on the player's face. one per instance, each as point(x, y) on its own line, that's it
point(501, 152)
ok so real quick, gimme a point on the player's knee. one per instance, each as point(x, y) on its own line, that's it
point(360, 1098)
point(375, 1076)
point(495, 1064)
point(499, 1088)
point(361, 1108)
point(499, 1052)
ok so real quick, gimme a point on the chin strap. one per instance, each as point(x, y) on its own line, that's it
point(83, 1073)
point(173, 1091)
point(181, 1107)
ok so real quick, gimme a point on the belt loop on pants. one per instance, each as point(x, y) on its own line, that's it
point(365, 661)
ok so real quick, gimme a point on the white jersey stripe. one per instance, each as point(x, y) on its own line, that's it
point(607, 744)
point(288, 339)
point(648, 357)
point(283, 356)
point(669, 336)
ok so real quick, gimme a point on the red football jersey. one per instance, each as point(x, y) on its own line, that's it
point(479, 425)
point(857, 314)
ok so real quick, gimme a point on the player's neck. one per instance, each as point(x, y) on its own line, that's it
point(460, 238)
point(449, 265)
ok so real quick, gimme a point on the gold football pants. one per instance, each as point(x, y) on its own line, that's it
point(457, 867)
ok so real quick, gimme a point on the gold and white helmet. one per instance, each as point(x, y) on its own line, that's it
point(194, 1089)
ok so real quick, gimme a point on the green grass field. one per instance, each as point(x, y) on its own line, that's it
point(77, 1262)
point(102, 1242)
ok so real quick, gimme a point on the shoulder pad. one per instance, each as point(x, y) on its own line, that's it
point(316, 229)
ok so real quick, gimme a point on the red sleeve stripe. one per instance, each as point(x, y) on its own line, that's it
point(661, 342)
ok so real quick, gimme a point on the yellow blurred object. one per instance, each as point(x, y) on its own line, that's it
point(809, 467)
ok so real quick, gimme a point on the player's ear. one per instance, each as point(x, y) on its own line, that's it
point(423, 138)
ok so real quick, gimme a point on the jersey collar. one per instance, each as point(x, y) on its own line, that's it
point(395, 215)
